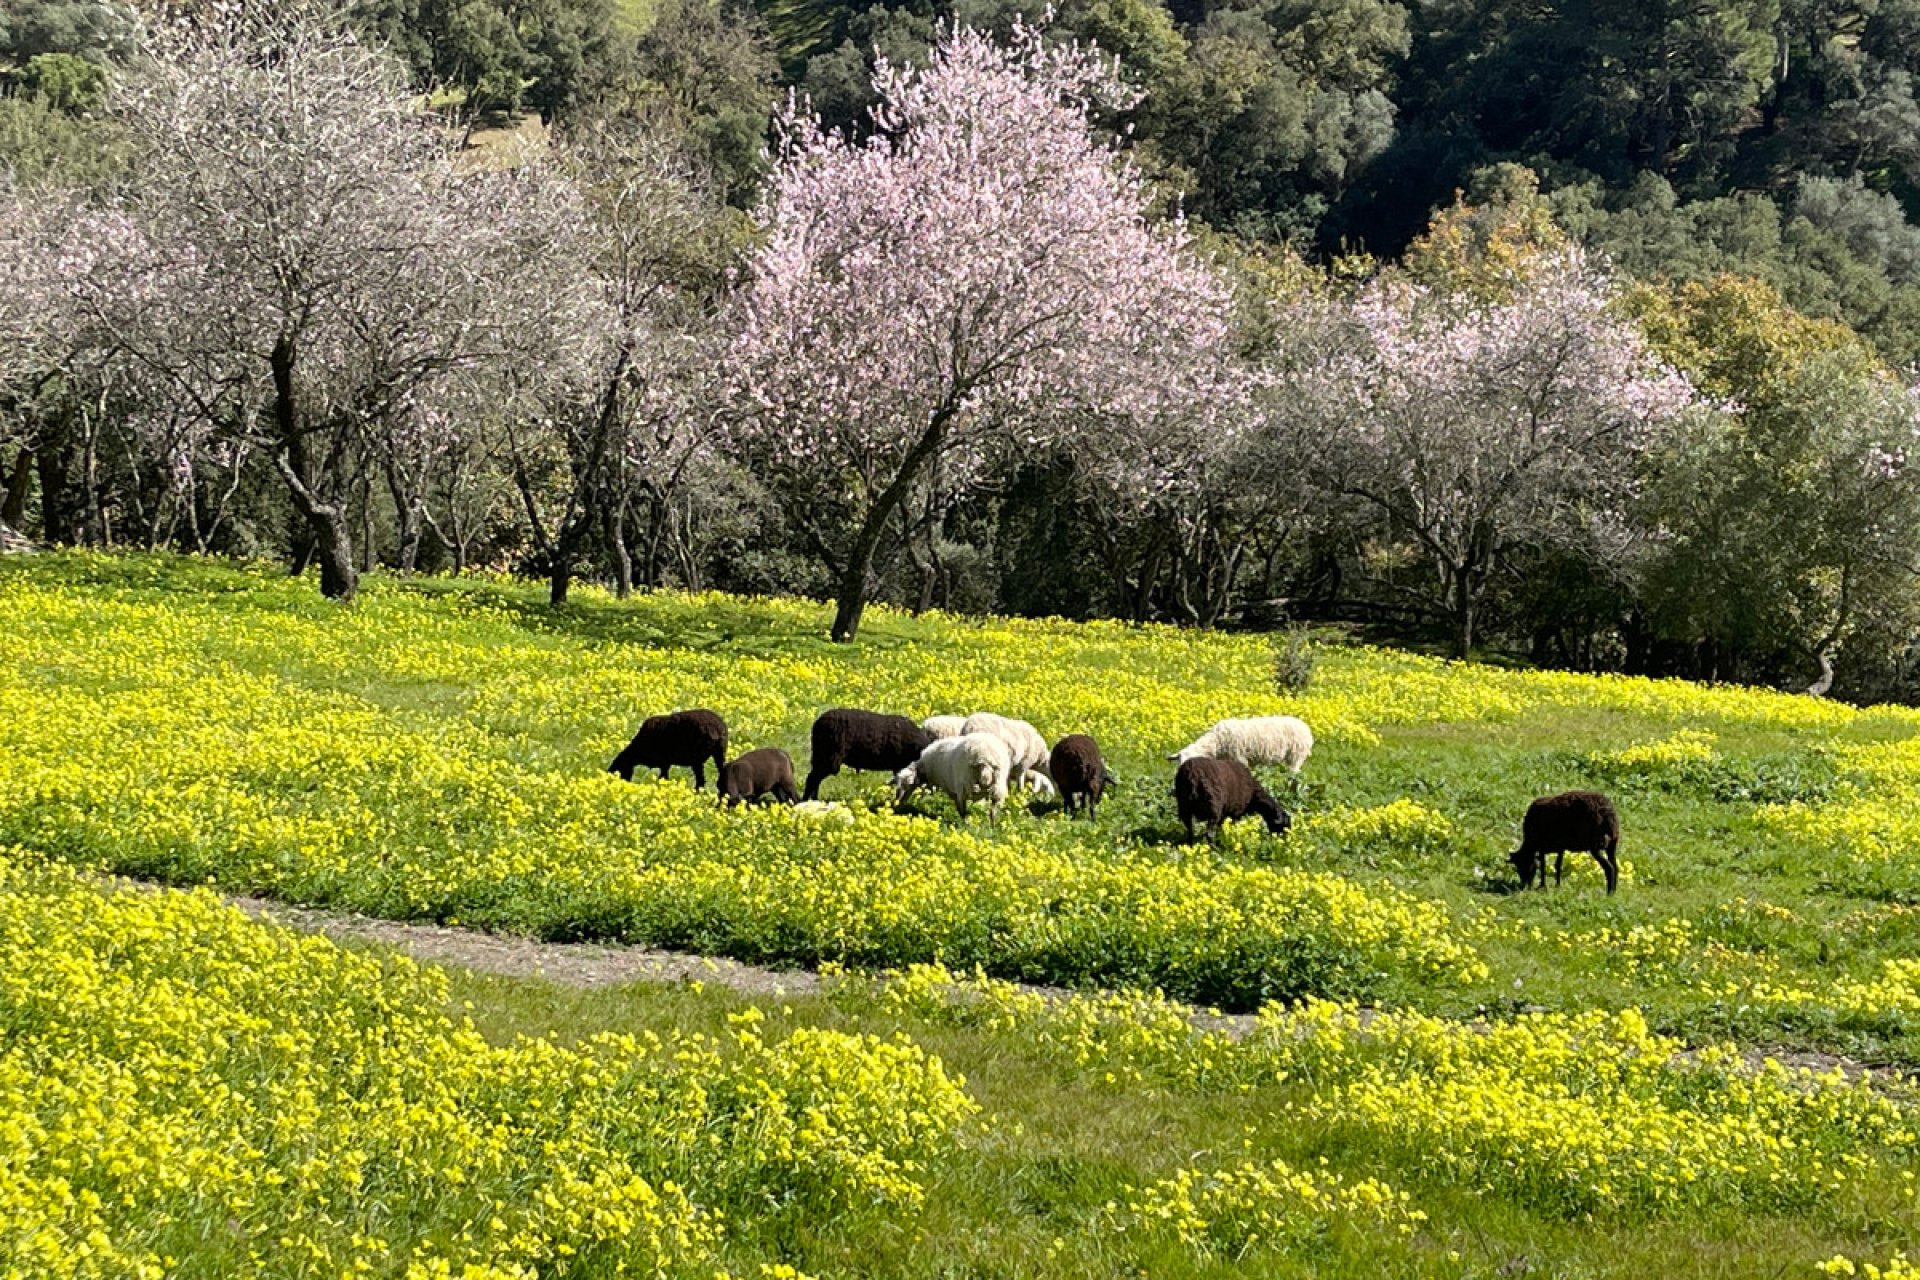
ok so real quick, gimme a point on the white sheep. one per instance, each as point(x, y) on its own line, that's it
point(971, 766)
point(1257, 740)
point(1031, 764)
point(945, 726)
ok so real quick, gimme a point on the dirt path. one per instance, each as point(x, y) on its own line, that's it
point(573, 964)
point(583, 964)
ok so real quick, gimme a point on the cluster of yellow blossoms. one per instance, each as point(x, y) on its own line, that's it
point(182, 1083)
point(144, 739)
point(1251, 1206)
point(1574, 1113)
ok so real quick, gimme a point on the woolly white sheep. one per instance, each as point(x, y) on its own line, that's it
point(969, 767)
point(945, 726)
point(1025, 746)
point(1257, 740)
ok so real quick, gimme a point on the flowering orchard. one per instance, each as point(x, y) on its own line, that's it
point(961, 350)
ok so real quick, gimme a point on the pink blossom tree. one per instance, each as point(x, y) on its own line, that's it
point(1475, 424)
point(976, 280)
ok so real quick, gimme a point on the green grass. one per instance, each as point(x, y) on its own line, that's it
point(1026, 1194)
point(195, 721)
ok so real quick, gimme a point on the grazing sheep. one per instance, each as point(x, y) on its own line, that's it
point(1024, 744)
point(1079, 772)
point(971, 766)
point(849, 738)
point(1214, 791)
point(1571, 822)
point(945, 726)
point(767, 771)
point(678, 738)
point(1259, 740)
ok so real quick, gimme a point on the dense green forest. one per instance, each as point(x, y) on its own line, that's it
point(1775, 139)
point(1742, 180)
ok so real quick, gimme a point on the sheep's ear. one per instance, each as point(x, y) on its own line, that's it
point(1173, 755)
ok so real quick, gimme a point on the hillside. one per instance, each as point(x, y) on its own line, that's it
point(1515, 1088)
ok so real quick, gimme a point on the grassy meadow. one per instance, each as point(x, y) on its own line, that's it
point(1447, 1077)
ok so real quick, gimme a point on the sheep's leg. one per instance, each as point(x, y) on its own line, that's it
point(1189, 822)
point(1559, 868)
point(1610, 863)
point(819, 774)
point(664, 770)
point(787, 793)
point(699, 775)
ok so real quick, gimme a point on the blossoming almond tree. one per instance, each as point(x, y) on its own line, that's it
point(957, 289)
point(1473, 425)
point(298, 260)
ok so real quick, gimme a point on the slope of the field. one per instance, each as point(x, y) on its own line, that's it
point(1536, 1086)
point(439, 752)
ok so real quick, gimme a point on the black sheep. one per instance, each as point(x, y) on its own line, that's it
point(1571, 822)
point(678, 738)
point(1079, 772)
point(1213, 791)
point(766, 771)
point(854, 739)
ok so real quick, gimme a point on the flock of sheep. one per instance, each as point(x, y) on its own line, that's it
point(986, 756)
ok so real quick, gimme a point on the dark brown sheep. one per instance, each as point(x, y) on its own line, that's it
point(1571, 822)
point(1079, 772)
point(688, 738)
point(765, 771)
point(852, 739)
point(1214, 791)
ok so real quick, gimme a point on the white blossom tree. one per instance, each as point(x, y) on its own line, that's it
point(298, 261)
point(637, 412)
point(1473, 425)
point(962, 287)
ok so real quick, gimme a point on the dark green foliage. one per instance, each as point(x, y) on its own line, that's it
point(97, 30)
point(704, 73)
point(550, 56)
point(64, 82)
point(41, 144)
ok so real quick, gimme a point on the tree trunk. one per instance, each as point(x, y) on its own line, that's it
point(334, 544)
point(14, 511)
point(407, 513)
point(851, 602)
point(1464, 605)
point(617, 548)
point(566, 548)
point(326, 521)
point(559, 578)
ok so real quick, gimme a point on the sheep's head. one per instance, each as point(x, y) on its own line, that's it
point(905, 782)
point(1185, 754)
point(1278, 820)
point(1522, 865)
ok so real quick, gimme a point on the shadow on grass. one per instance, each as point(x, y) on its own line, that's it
point(744, 626)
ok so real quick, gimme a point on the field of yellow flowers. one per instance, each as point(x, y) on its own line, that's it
point(1446, 1077)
